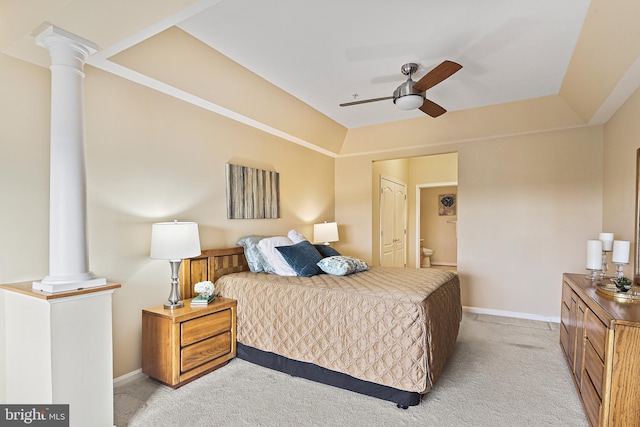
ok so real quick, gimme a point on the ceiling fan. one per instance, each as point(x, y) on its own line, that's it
point(411, 95)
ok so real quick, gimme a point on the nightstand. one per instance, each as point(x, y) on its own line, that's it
point(183, 344)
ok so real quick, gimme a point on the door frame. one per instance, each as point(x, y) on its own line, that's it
point(417, 214)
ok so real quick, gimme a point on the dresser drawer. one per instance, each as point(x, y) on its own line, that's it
point(566, 294)
point(565, 315)
point(596, 333)
point(594, 366)
point(564, 340)
point(204, 327)
point(205, 351)
point(590, 400)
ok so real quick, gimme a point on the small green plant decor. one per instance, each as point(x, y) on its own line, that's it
point(623, 283)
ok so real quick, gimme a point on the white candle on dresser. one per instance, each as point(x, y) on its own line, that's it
point(607, 241)
point(620, 252)
point(594, 254)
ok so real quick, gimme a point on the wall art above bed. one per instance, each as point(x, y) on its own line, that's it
point(252, 193)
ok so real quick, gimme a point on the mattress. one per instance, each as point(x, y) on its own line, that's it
point(390, 326)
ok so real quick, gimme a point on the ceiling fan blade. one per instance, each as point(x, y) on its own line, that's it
point(443, 71)
point(431, 108)
point(364, 101)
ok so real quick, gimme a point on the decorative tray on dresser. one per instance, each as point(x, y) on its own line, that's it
point(600, 337)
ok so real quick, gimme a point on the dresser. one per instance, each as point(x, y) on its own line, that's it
point(600, 338)
point(185, 343)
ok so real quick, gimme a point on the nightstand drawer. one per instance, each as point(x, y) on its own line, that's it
point(205, 351)
point(204, 327)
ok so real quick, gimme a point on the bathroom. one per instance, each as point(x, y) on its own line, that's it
point(438, 226)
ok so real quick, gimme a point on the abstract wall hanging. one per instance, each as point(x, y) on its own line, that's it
point(446, 204)
point(252, 193)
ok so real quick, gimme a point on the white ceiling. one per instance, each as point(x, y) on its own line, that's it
point(324, 51)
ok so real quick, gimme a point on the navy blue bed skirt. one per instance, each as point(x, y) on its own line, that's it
point(325, 376)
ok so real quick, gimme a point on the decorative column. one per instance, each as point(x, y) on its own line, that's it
point(68, 249)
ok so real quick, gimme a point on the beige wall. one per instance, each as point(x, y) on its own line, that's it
point(621, 142)
point(529, 195)
point(150, 157)
point(526, 206)
point(174, 54)
point(24, 170)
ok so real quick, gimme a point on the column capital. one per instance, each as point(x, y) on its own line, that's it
point(64, 47)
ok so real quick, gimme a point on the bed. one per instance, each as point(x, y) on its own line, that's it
point(384, 332)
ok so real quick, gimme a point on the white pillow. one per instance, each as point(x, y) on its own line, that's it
point(296, 237)
point(277, 263)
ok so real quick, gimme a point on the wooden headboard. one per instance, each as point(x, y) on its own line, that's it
point(210, 265)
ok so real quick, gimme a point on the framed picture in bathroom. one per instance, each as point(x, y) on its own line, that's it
point(446, 204)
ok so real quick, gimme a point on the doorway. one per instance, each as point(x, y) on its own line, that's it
point(437, 222)
point(423, 170)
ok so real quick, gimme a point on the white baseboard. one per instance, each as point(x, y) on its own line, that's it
point(517, 315)
point(127, 378)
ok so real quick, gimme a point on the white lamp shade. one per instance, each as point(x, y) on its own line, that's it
point(326, 232)
point(409, 102)
point(175, 240)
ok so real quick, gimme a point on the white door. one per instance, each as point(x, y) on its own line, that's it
point(393, 208)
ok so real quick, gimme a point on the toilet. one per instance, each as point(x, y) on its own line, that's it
point(426, 257)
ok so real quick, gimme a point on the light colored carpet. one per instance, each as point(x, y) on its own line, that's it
point(504, 372)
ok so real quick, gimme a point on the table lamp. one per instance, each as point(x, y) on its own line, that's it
point(325, 232)
point(174, 241)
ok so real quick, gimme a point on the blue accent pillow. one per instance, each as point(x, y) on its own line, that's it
point(303, 257)
point(326, 250)
point(342, 265)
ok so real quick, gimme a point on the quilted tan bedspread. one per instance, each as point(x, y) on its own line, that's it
point(391, 326)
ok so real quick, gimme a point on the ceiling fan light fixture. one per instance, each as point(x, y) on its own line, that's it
point(406, 97)
point(411, 95)
point(409, 102)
